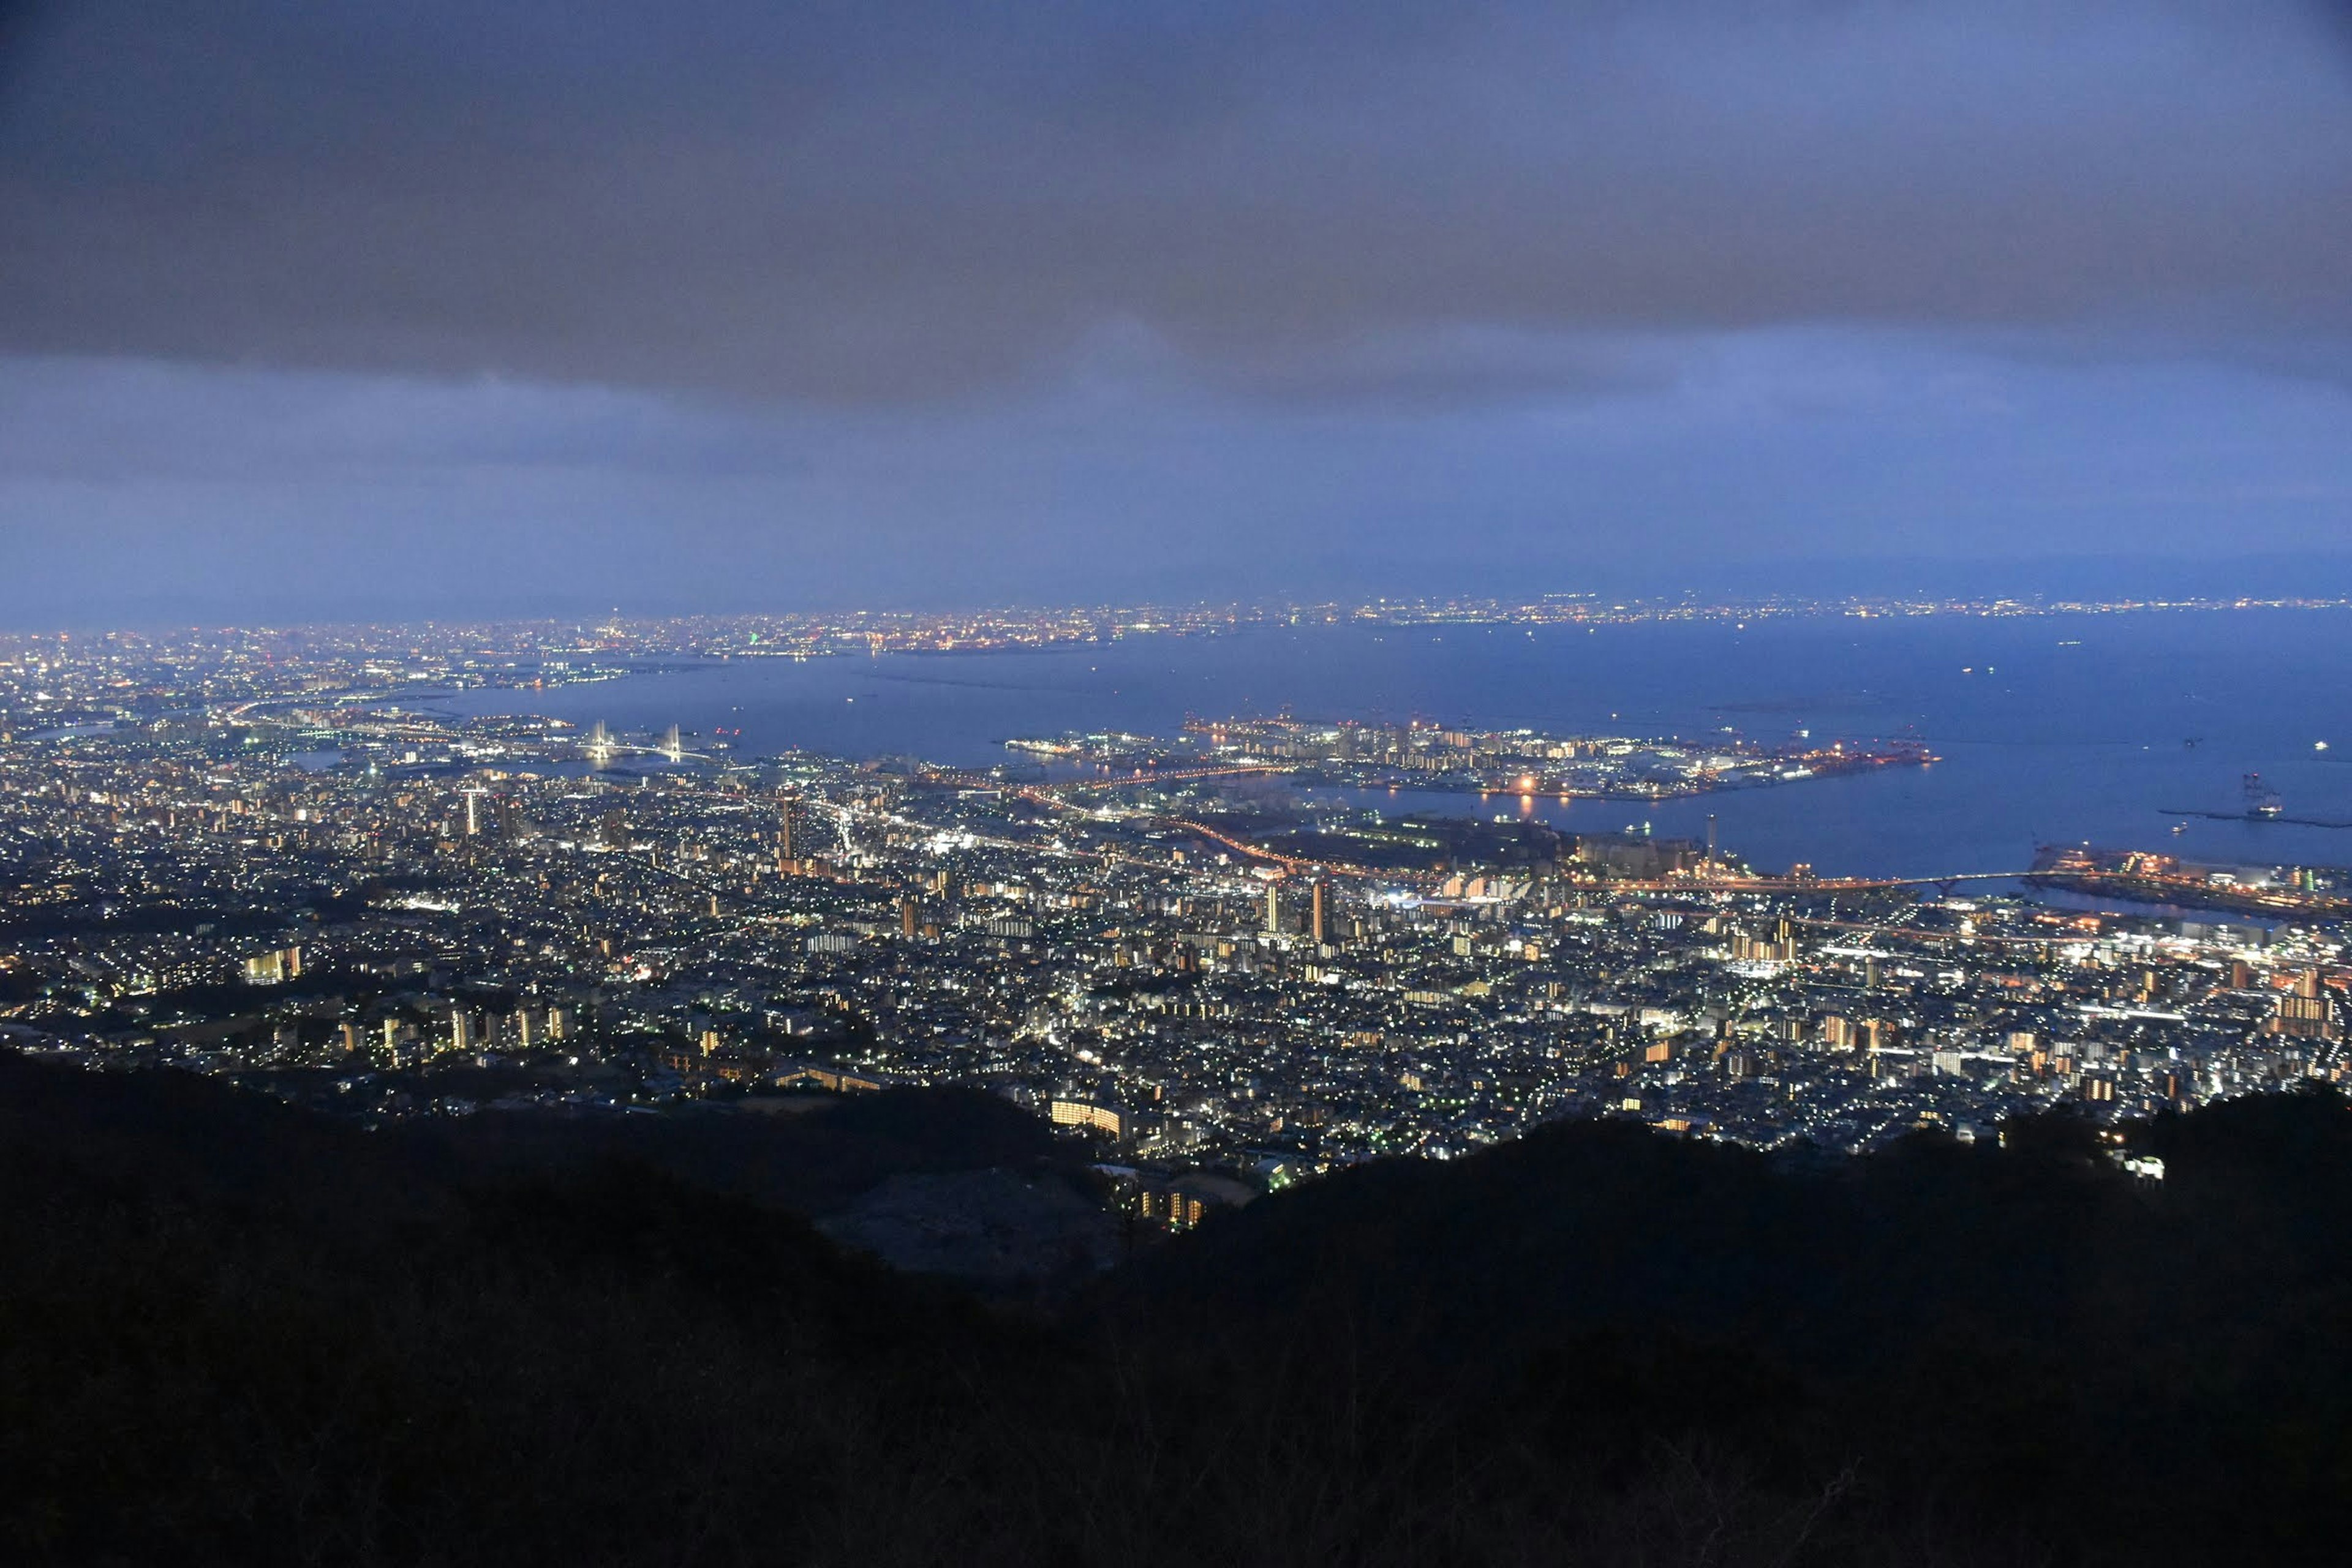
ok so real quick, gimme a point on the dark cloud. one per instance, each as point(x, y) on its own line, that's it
point(852, 202)
point(92, 422)
point(480, 306)
point(323, 497)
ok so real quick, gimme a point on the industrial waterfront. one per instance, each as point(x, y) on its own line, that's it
point(1243, 943)
point(2048, 729)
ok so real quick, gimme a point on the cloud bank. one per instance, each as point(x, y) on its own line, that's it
point(906, 299)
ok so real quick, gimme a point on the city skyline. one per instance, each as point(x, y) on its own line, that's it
point(1364, 782)
point(1266, 947)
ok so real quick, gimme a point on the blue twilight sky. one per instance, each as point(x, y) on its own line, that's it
point(464, 306)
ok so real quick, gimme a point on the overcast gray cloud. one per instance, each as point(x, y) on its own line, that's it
point(375, 307)
point(131, 491)
point(854, 201)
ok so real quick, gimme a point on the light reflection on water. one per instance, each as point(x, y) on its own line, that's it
point(2052, 729)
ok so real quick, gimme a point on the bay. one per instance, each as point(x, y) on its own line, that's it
point(2050, 728)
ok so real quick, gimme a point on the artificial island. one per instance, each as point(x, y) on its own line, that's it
point(275, 870)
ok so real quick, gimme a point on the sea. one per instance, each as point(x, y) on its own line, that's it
point(2107, 729)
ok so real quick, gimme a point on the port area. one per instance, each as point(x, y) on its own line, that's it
point(2323, 892)
point(1425, 754)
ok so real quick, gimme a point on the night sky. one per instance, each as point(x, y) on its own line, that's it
point(323, 310)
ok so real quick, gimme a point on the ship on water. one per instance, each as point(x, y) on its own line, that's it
point(2261, 805)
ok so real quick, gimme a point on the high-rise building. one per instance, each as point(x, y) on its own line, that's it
point(1316, 919)
point(270, 968)
point(2304, 1012)
point(1087, 1114)
point(1274, 908)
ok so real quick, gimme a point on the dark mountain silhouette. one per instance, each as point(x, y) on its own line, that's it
point(234, 1331)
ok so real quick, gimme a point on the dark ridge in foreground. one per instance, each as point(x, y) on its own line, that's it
point(232, 1331)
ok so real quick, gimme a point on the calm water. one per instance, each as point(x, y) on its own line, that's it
point(2051, 729)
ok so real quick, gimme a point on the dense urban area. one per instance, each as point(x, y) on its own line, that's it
point(265, 856)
